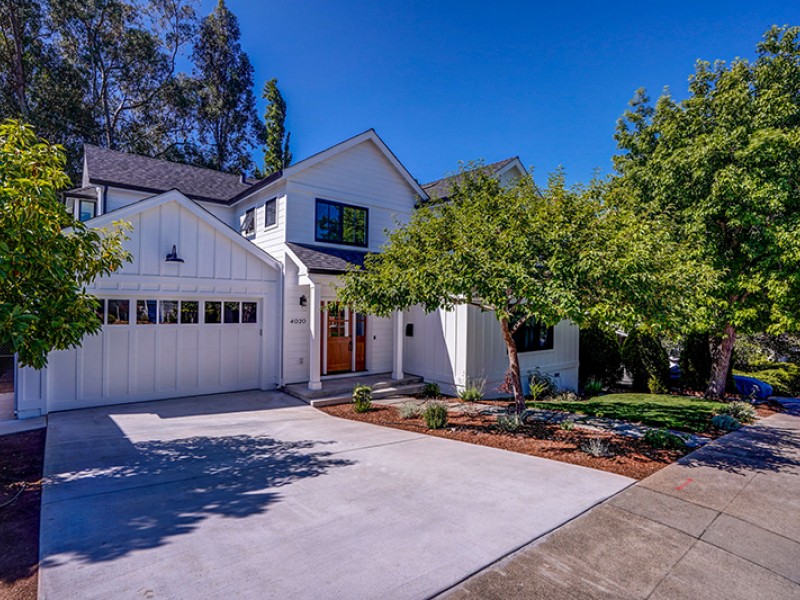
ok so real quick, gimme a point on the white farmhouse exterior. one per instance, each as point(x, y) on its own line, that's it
point(231, 280)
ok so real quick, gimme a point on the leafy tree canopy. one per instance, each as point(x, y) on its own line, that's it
point(277, 154)
point(46, 257)
point(723, 164)
point(566, 253)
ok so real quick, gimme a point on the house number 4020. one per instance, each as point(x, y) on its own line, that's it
point(298, 321)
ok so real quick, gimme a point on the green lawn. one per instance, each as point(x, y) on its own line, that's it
point(673, 412)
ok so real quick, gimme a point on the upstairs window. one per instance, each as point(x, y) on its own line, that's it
point(533, 336)
point(341, 223)
point(270, 213)
point(249, 222)
point(86, 210)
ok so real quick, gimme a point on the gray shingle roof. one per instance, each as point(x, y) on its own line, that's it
point(82, 192)
point(153, 175)
point(319, 259)
point(442, 188)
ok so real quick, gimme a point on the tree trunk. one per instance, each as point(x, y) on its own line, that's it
point(19, 82)
point(513, 366)
point(721, 352)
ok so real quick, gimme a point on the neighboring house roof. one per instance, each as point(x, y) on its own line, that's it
point(442, 188)
point(319, 259)
point(88, 192)
point(132, 171)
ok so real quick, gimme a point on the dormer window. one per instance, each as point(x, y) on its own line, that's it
point(86, 210)
point(341, 223)
point(249, 222)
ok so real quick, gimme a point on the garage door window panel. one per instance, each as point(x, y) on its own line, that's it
point(232, 311)
point(189, 312)
point(168, 312)
point(118, 312)
point(213, 313)
point(249, 312)
point(146, 312)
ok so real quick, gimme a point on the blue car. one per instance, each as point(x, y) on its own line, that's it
point(752, 387)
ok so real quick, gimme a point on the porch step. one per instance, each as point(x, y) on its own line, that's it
point(344, 386)
point(385, 392)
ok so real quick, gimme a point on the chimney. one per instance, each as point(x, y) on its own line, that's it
point(242, 178)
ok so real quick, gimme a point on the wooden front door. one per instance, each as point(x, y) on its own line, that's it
point(339, 340)
point(361, 342)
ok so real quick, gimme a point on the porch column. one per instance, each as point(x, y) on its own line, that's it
point(314, 320)
point(397, 362)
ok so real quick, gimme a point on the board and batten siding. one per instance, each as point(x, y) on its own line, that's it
point(129, 363)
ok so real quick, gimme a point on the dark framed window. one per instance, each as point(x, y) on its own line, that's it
point(86, 209)
point(168, 312)
point(100, 310)
point(249, 222)
point(271, 212)
point(213, 312)
point(341, 223)
point(117, 312)
point(189, 312)
point(533, 336)
point(231, 312)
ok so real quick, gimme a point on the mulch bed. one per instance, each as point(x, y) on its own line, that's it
point(632, 458)
point(21, 461)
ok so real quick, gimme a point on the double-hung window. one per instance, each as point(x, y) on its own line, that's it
point(341, 223)
point(270, 212)
point(249, 222)
point(533, 336)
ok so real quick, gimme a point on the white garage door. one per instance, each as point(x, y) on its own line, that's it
point(161, 348)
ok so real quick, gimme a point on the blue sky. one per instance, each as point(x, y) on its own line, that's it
point(447, 81)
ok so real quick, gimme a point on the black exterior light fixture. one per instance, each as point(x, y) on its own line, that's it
point(173, 256)
point(303, 300)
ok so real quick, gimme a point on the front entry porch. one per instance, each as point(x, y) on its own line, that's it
point(339, 390)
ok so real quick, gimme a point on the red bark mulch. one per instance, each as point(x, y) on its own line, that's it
point(21, 461)
point(630, 457)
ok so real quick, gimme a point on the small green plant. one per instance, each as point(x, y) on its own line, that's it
point(435, 415)
point(596, 447)
point(362, 398)
point(567, 425)
point(656, 386)
point(725, 423)
point(565, 397)
point(432, 390)
point(509, 423)
point(410, 410)
point(473, 390)
point(592, 387)
point(537, 390)
point(663, 438)
point(541, 383)
point(741, 411)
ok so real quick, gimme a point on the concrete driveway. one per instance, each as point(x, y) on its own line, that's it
point(254, 495)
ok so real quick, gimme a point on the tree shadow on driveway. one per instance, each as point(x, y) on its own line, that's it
point(162, 489)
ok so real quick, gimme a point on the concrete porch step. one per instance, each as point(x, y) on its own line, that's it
point(386, 392)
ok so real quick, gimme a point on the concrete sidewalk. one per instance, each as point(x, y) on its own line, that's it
point(724, 522)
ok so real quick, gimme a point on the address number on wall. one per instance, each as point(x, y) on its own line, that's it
point(298, 321)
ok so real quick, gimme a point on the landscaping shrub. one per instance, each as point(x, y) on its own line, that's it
point(473, 390)
point(566, 396)
point(695, 362)
point(596, 447)
point(592, 387)
point(567, 425)
point(541, 383)
point(362, 398)
point(741, 411)
point(509, 423)
point(655, 386)
point(435, 415)
point(432, 390)
point(537, 390)
point(725, 423)
point(644, 357)
point(663, 438)
point(600, 356)
point(409, 410)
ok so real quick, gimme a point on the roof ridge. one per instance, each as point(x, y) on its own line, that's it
point(497, 163)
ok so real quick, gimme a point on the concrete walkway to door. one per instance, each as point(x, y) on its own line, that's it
point(722, 523)
point(256, 495)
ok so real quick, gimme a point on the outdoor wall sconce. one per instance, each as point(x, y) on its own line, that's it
point(303, 300)
point(173, 256)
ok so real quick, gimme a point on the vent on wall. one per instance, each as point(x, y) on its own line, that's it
point(409, 330)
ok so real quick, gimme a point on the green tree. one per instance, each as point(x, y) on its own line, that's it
point(564, 254)
point(228, 125)
point(277, 154)
point(724, 165)
point(46, 257)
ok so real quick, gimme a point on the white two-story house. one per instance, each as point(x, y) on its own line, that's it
point(232, 280)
